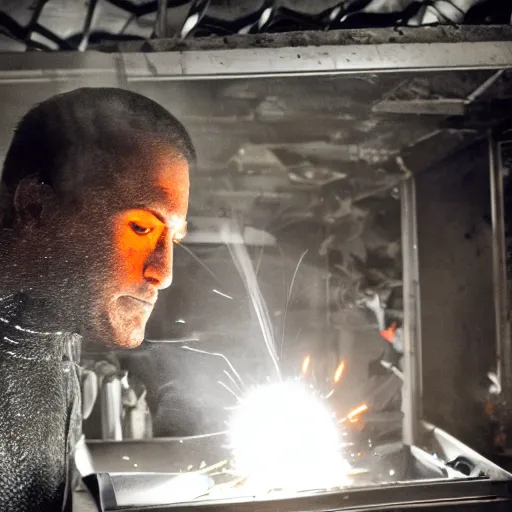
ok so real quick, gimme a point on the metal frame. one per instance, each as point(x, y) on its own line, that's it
point(412, 388)
point(501, 300)
point(255, 62)
point(473, 493)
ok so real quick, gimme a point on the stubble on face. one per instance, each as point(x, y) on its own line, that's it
point(120, 299)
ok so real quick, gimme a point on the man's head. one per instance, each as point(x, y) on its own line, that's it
point(95, 192)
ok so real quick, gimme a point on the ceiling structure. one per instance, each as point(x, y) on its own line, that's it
point(75, 25)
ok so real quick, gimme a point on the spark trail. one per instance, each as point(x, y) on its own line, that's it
point(216, 354)
point(288, 298)
point(245, 268)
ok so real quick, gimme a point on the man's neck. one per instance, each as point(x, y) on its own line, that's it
point(25, 313)
point(22, 284)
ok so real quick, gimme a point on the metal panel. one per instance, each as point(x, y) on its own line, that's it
point(250, 62)
point(457, 294)
point(319, 60)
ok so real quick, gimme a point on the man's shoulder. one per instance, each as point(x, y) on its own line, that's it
point(32, 316)
point(11, 305)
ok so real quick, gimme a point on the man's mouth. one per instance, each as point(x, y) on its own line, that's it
point(144, 301)
point(147, 304)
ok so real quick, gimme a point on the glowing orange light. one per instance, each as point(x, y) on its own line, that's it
point(137, 235)
point(305, 364)
point(339, 371)
point(357, 411)
point(352, 416)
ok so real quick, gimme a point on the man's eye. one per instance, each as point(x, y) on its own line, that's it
point(140, 230)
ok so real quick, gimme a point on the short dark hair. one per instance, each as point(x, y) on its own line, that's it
point(81, 137)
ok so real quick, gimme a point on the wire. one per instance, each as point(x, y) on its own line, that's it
point(129, 21)
point(17, 32)
point(91, 9)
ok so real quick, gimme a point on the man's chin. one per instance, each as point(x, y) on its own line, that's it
point(127, 319)
point(132, 341)
point(126, 340)
point(109, 339)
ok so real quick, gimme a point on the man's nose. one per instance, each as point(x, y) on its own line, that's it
point(158, 268)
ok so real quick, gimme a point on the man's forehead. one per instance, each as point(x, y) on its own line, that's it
point(163, 186)
point(164, 202)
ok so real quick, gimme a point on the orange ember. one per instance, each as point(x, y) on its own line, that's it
point(339, 372)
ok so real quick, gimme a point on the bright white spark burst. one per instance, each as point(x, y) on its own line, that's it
point(283, 436)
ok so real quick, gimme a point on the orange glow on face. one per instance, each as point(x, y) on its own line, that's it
point(339, 372)
point(305, 364)
point(143, 236)
point(144, 246)
point(137, 234)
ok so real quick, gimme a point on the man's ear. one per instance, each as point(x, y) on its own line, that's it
point(32, 201)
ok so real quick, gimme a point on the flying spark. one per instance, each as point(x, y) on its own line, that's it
point(216, 354)
point(288, 299)
point(245, 268)
point(230, 377)
point(354, 413)
point(305, 364)
point(222, 294)
point(206, 267)
point(339, 372)
point(226, 387)
point(357, 411)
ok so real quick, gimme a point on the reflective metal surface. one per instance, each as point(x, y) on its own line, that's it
point(411, 391)
point(502, 306)
point(239, 63)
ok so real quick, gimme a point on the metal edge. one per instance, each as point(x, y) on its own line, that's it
point(333, 60)
point(501, 306)
point(448, 448)
point(428, 460)
point(397, 497)
point(156, 440)
point(257, 62)
point(412, 388)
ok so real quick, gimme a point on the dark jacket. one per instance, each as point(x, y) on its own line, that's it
point(39, 409)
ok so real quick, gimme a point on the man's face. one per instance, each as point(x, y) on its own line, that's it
point(121, 251)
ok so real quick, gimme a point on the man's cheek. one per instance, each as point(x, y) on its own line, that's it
point(132, 266)
point(125, 262)
point(131, 253)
